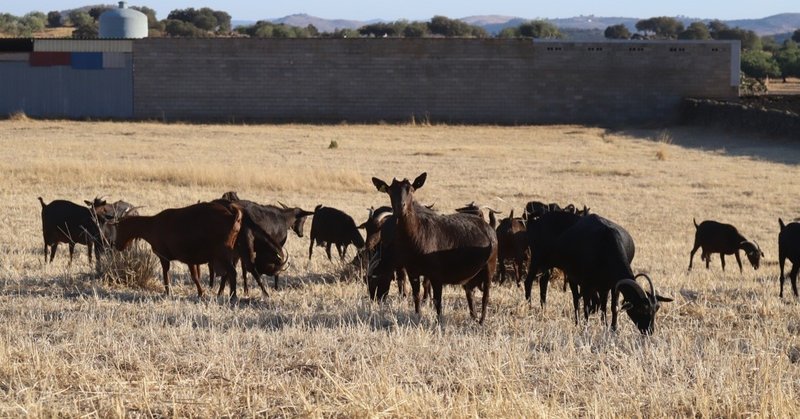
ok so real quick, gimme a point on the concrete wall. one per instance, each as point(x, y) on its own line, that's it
point(451, 80)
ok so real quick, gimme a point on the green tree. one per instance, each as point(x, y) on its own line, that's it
point(696, 30)
point(788, 59)
point(80, 18)
point(759, 64)
point(96, 11)
point(444, 26)
point(721, 31)
point(152, 20)
point(663, 27)
point(416, 29)
point(54, 19)
point(33, 22)
point(619, 31)
point(86, 31)
point(539, 29)
point(180, 28)
point(796, 36)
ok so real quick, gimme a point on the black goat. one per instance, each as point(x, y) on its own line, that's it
point(332, 226)
point(512, 242)
point(789, 248)
point(458, 249)
point(67, 222)
point(543, 233)
point(595, 255)
point(262, 237)
point(725, 239)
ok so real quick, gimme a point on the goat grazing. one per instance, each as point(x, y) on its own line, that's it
point(512, 243)
point(197, 234)
point(67, 222)
point(332, 226)
point(458, 249)
point(595, 255)
point(725, 239)
point(789, 248)
point(543, 232)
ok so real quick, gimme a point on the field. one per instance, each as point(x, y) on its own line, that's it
point(73, 345)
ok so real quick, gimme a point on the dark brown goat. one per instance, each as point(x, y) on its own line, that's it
point(332, 226)
point(474, 209)
point(108, 214)
point(512, 244)
point(789, 248)
point(197, 234)
point(725, 239)
point(67, 222)
point(458, 249)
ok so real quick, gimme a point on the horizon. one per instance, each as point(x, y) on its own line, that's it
point(361, 10)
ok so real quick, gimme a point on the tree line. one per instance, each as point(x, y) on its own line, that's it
point(762, 57)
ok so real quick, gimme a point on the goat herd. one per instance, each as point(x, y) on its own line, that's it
point(405, 240)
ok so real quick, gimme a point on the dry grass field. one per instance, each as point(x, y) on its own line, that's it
point(71, 345)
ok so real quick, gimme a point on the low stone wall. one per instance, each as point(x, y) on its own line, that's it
point(738, 116)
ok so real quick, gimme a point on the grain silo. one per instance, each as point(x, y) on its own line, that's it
point(123, 23)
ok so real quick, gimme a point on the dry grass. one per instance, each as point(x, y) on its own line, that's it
point(790, 87)
point(71, 345)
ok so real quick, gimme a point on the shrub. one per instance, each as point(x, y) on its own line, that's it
point(136, 267)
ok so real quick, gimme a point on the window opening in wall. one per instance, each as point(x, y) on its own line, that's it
point(595, 48)
point(554, 48)
point(635, 49)
point(674, 49)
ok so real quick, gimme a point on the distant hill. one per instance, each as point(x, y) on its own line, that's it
point(781, 23)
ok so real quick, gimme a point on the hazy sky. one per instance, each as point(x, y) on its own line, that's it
point(425, 9)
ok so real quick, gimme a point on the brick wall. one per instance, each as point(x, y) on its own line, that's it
point(450, 80)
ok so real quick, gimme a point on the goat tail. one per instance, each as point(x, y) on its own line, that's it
point(695, 223)
point(42, 202)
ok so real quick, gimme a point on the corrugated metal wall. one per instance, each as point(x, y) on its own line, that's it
point(67, 78)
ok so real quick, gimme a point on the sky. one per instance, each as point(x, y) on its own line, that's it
point(425, 9)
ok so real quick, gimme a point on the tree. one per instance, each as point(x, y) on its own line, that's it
point(152, 21)
point(796, 36)
point(696, 30)
point(86, 31)
point(444, 26)
point(33, 22)
point(54, 19)
point(619, 31)
point(539, 29)
point(80, 18)
point(664, 27)
point(788, 59)
point(759, 64)
point(416, 29)
point(179, 28)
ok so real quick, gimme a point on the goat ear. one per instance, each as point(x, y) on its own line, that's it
point(380, 185)
point(362, 225)
point(89, 203)
point(419, 181)
point(626, 305)
point(663, 299)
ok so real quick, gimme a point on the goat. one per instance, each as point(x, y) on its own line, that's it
point(475, 209)
point(332, 226)
point(384, 265)
point(107, 214)
point(458, 249)
point(789, 248)
point(725, 239)
point(197, 234)
point(543, 232)
point(512, 243)
point(595, 255)
point(67, 222)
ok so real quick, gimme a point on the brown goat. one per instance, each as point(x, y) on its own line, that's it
point(512, 242)
point(197, 234)
point(458, 249)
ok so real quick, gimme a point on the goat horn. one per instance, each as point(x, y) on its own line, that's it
point(652, 288)
point(492, 210)
point(283, 205)
point(631, 283)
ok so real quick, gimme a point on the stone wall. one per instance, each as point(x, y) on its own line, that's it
point(442, 80)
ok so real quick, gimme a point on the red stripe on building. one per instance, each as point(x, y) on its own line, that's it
point(43, 59)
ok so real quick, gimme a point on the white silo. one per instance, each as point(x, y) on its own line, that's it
point(123, 23)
